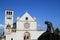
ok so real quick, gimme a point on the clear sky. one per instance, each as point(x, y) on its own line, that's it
point(42, 9)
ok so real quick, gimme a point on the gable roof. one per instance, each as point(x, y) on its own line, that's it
point(30, 18)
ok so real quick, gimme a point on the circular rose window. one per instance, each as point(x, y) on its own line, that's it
point(26, 25)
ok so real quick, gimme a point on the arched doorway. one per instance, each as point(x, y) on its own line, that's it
point(26, 36)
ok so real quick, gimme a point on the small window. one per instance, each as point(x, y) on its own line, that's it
point(26, 18)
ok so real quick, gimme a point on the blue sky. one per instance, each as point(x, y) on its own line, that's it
point(42, 9)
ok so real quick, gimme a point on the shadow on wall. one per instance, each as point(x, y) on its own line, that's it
point(50, 33)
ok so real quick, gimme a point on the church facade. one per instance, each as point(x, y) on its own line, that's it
point(25, 27)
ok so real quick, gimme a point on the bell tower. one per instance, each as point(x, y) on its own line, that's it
point(8, 20)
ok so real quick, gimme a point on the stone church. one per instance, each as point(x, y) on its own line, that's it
point(25, 27)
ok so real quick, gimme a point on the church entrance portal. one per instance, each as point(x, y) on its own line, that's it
point(26, 36)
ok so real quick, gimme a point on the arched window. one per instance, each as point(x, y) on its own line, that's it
point(7, 12)
point(11, 13)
